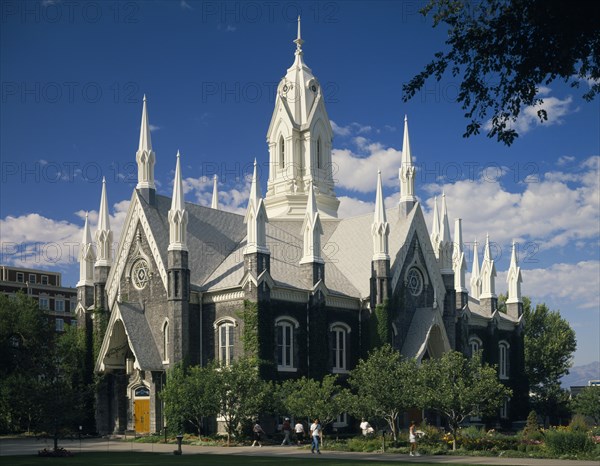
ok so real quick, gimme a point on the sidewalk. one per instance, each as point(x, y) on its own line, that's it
point(30, 446)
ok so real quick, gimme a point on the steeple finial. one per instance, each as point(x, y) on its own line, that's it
point(460, 264)
point(215, 196)
point(298, 40)
point(103, 231)
point(407, 170)
point(256, 219)
point(312, 230)
point(488, 272)
point(445, 224)
point(514, 279)
point(475, 274)
point(178, 217)
point(380, 228)
point(86, 256)
point(145, 156)
point(435, 228)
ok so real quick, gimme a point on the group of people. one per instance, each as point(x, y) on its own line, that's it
point(316, 433)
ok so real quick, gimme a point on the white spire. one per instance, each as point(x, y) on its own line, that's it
point(86, 257)
point(488, 272)
point(215, 197)
point(435, 229)
point(298, 40)
point(460, 264)
point(178, 217)
point(256, 219)
point(445, 245)
point(380, 229)
point(103, 231)
point(145, 156)
point(312, 231)
point(514, 278)
point(475, 275)
point(407, 170)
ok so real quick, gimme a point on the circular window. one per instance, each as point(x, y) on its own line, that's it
point(414, 281)
point(140, 274)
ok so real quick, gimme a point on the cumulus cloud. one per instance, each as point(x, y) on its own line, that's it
point(352, 128)
point(233, 199)
point(528, 119)
point(34, 241)
point(563, 207)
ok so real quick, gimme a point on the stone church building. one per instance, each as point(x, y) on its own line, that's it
point(185, 276)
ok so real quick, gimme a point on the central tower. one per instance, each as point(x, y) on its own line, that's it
point(300, 140)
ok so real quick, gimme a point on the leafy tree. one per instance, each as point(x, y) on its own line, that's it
point(549, 346)
point(458, 387)
point(241, 394)
point(587, 403)
point(190, 395)
point(505, 50)
point(384, 367)
point(309, 398)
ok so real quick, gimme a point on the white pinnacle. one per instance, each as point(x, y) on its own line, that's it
point(380, 228)
point(312, 230)
point(256, 219)
point(145, 156)
point(215, 196)
point(178, 217)
point(407, 170)
point(445, 224)
point(103, 232)
point(475, 274)
point(145, 139)
point(514, 278)
point(86, 257)
point(460, 264)
point(488, 272)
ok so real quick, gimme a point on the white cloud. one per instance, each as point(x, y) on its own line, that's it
point(154, 127)
point(185, 5)
point(559, 209)
point(32, 240)
point(352, 128)
point(234, 199)
point(230, 28)
point(565, 160)
point(358, 171)
point(528, 119)
point(352, 207)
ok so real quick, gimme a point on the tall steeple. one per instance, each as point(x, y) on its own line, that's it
point(459, 266)
point(407, 174)
point(300, 140)
point(475, 274)
point(514, 302)
point(256, 219)
point(215, 196)
point(104, 234)
point(178, 216)
point(488, 299)
point(146, 159)
point(312, 231)
point(380, 229)
point(445, 246)
point(435, 229)
point(86, 257)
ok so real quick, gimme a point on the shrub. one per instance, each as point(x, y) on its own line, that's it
point(578, 423)
point(532, 429)
point(567, 442)
point(365, 444)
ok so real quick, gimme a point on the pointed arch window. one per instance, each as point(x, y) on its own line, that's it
point(281, 153)
point(503, 360)
point(475, 344)
point(166, 342)
point(319, 155)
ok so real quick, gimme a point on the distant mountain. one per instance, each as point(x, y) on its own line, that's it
point(580, 375)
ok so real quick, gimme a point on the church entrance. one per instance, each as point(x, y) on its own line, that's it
point(141, 410)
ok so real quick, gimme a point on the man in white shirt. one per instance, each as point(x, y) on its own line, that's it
point(315, 432)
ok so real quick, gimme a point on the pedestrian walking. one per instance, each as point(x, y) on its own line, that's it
point(299, 430)
point(412, 438)
point(257, 432)
point(287, 430)
point(316, 433)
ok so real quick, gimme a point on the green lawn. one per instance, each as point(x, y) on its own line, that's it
point(163, 459)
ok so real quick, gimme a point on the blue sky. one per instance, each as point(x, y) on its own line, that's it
point(73, 75)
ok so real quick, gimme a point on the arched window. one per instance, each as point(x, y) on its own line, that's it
point(503, 366)
point(281, 153)
point(225, 335)
point(284, 340)
point(505, 409)
point(166, 341)
point(339, 346)
point(475, 344)
point(319, 160)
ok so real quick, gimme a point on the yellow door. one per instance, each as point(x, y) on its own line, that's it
point(142, 415)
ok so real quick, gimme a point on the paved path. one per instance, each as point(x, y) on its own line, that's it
point(30, 446)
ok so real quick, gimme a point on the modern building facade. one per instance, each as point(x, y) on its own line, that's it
point(190, 283)
point(56, 301)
